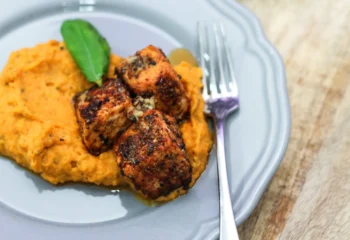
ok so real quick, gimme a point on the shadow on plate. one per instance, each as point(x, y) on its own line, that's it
point(129, 202)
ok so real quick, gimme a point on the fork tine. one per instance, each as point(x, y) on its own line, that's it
point(219, 49)
point(202, 55)
point(212, 75)
point(232, 82)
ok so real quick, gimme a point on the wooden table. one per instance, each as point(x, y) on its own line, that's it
point(309, 197)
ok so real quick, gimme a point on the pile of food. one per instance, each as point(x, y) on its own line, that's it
point(143, 127)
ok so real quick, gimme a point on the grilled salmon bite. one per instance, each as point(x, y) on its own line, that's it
point(103, 113)
point(151, 156)
point(149, 73)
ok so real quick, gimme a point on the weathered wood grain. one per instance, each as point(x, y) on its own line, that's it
point(309, 198)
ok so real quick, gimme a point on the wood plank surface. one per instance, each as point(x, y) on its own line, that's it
point(309, 197)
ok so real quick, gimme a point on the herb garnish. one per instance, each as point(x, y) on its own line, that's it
point(88, 48)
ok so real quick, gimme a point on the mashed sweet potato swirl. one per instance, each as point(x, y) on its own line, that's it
point(38, 124)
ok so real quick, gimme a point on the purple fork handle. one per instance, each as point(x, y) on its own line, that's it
point(228, 230)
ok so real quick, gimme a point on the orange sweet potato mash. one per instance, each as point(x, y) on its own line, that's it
point(38, 124)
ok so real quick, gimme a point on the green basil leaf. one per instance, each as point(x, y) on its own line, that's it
point(88, 48)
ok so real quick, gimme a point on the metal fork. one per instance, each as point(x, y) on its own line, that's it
point(221, 97)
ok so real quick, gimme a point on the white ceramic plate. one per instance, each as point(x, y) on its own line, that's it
point(258, 133)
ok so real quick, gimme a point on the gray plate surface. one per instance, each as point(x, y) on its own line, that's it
point(257, 135)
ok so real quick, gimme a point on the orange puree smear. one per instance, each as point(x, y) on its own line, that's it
point(38, 125)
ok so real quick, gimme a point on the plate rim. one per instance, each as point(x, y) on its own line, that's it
point(282, 93)
point(262, 41)
point(261, 44)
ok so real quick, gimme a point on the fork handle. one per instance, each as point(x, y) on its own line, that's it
point(228, 229)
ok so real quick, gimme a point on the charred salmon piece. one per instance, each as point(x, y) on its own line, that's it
point(103, 113)
point(151, 156)
point(149, 73)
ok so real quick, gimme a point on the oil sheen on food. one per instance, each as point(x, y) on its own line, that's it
point(39, 129)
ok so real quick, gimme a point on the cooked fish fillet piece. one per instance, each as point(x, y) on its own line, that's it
point(149, 73)
point(103, 113)
point(152, 158)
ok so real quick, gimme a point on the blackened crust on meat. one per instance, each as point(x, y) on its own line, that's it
point(170, 96)
point(149, 73)
point(103, 114)
point(151, 156)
